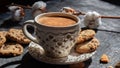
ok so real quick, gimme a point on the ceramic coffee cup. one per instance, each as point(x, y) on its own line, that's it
point(57, 41)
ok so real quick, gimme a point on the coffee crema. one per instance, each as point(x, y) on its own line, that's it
point(56, 21)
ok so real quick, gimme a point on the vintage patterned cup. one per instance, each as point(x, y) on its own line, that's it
point(56, 41)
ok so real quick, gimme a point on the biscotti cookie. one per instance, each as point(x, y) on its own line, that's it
point(85, 35)
point(2, 39)
point(11, 49)
point(88, 46)
point(18, 36)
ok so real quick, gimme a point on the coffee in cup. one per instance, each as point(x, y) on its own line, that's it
point(56, 21)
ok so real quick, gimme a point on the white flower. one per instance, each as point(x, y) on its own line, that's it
point(92, 19)
point(38, 8)
point(17, 12)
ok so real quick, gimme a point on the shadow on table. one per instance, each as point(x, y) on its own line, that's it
point(116, 2)
point(105, 30)
point(10, 64)
point(28, 62)
point(9, 24)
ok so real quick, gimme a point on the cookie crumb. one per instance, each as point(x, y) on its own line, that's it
point(110, 67)
point(117, 65)
point(104, 59)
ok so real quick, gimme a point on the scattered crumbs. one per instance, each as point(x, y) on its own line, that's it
point(117, 65)
point(104, 59)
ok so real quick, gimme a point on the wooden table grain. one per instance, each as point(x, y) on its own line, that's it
point(108, 34)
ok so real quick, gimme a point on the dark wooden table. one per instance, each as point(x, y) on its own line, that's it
point(108, 34)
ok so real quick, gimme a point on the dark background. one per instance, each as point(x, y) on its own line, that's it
point(3, 3)
point(108, 33)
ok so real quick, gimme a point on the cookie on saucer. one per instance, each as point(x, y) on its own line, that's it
point(88, 46)
point(85, 35)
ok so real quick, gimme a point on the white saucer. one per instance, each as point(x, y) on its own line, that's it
point(37, 52)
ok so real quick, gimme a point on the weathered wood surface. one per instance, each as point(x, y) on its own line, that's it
point(108, 34)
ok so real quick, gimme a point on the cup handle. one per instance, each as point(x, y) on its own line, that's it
point(25, 31)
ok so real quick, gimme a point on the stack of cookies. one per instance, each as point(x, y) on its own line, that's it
point(11, 42)
point(87, 42)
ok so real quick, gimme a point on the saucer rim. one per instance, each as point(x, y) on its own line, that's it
point(59, 63)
